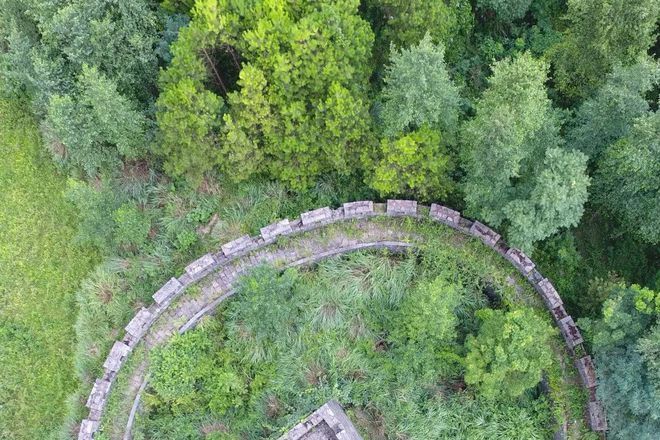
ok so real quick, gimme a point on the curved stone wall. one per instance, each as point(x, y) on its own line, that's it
point(155, 324)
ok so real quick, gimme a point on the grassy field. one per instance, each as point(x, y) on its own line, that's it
point(40, 269)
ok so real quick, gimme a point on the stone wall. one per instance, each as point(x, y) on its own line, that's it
point(316, 219)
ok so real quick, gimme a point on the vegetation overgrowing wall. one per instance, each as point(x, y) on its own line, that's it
point(245, 247)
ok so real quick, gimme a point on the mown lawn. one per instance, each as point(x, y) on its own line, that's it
point(40, 269)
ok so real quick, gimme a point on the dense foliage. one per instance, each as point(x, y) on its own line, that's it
point(518, 172)
point(380, 334)
point(627, 344)
point(186, 123)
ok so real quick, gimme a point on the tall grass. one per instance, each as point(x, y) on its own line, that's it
point(355, 329)
point(40, 270)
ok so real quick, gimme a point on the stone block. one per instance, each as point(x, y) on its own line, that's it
point(316, 216)
point(559, 313)
point(117, 355)
point(402, 207)
point(569, 330)
point(329, 422)
point(87, 429)
point(168, 290)
point(483, 232)
point(98, 395)
point(139, 323)
point(273, 230)
point(585, 367)
point(520, 260)
point(549, 293)
point(239, 245)
point(357, 209)
point(445, 215)
point(200, 265)
point(597, 420)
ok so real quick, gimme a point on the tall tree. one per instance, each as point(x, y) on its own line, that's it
point(308, 78)
point(601, 34)
point(627, 182)
point(95, 127)
point(416, 164)
point(509, 354)
point(626, 343)
point(609, 114)
point(448, 22)
point(189, 120)
point(506, 10)
point(517, 173)
point(418, 90)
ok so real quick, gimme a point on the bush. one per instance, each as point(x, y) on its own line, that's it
point(509, 354)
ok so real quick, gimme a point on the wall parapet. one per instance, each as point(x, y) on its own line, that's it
point(316, 219)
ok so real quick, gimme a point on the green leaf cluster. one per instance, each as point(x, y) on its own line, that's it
point(517, 173)
point(509, 354)
point(626, 343)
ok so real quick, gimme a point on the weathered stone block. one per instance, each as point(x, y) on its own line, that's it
point(117, 355)
point(239, 245)
point(96, 399)
point(200, 265)
point(357, 209)
point(273, 230)
point(569, 330)
point(444, 214)
point(549, 293)
point(520, 260)
point(483, 232)
point(316, 216)
point(559, 313)
point(597, 420)
point(169, 289)
point(329, 422)
point(139, 323)
point(402, 207)
point(585, 367)
point(87, 429)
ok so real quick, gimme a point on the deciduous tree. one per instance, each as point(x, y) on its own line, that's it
point(517, 173)
point(506, 10)
point(626, 343)
point(418, 91)
point(416, 164)
point(627, 182)
point(609, 114)
point(96, 125)
point(509, 354)
point(601, 34)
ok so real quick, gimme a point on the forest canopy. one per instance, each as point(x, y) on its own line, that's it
point(178, 125)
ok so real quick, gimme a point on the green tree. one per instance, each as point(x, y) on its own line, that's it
point(192, 371)
point(448, 22)
point(189, 119)
point(600, 35)
point(509, 354)
point(506, 10)
point(294, 120)
point(416, 164)
point(418, 90)
point(517, 174)
point(555, 197)
point(96, 127)
point(609, 114)
point(627, 182)
point(425, 334)
point(626, 344)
